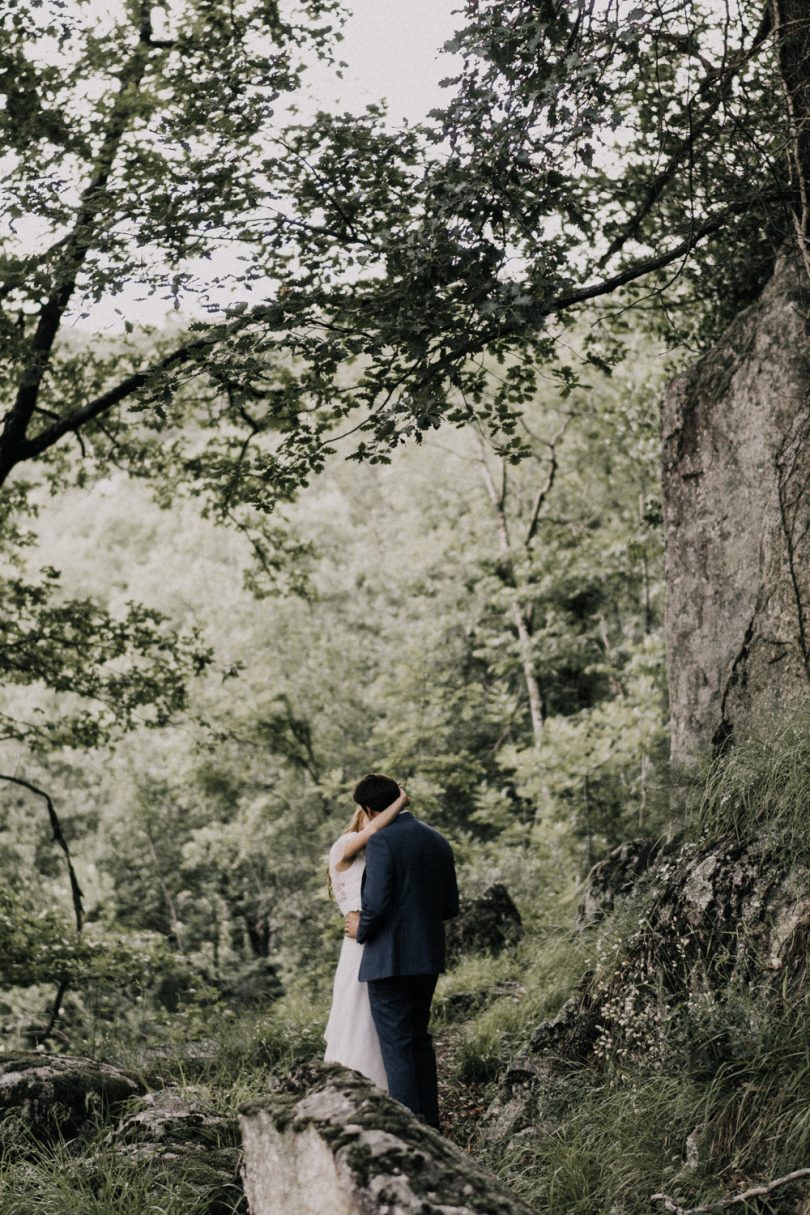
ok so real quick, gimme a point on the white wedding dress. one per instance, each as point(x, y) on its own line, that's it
point(351, 1038)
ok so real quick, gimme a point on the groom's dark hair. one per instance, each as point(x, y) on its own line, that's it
point(375, 792)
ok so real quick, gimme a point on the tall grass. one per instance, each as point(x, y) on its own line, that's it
point(725, 1102)
point(223, 1050)
point(54, 1180)
point(761, 787)
point(507, 994)
point(605, 1141)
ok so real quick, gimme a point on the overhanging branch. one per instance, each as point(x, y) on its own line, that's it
point(270, 314)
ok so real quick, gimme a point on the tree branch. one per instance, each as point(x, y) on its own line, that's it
point(721, 80)
point(647, 265)
point(58, 838)
point(757, 1191)
point(187, 353)
point(546, 489)
point(75, 248)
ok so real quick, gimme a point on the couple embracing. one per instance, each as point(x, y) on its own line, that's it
point(394, 879)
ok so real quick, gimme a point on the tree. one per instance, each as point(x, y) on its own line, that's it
point(586, 152)
point(408, 254)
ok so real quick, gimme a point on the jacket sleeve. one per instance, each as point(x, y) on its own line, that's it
point(378, 885)
point(451, 893)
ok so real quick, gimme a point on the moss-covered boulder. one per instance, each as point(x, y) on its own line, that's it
point(182, 1132)
point(58, 1095)
point(333, 1143)
point(484, 925)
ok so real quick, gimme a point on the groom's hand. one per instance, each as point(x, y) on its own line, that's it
point(352, 920)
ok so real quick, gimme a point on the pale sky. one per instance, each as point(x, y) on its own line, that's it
point(392, 49)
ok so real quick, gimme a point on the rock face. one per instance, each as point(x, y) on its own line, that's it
point(183, 1132)
point(59, 1095)
point(484, 925)
point(615, 876)
point(345, 1148)
point(718, 923)
point(736, 482)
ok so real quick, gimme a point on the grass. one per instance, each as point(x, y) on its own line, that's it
point(225, 1052)
point(724, 1105)
point(529, 989)
point(605, 1141)
point(761, 787)
point(55, 1180)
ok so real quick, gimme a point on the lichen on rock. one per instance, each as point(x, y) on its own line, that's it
point(329, 1141)
point(181, 1131)
point(59, 1095)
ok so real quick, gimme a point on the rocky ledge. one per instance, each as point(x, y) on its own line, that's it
point(332, 1142)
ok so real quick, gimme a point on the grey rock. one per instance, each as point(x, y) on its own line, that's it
point(614, 876)
point(182, 1132)
point(345, 1148)
point(484, 925)
point(717, 921)
point(736, 483)
point(59, 1095)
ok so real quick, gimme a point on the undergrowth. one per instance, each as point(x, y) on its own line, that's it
point(605, 1141)
point(723, 1105)
point(56, 1180)
point(761, 788)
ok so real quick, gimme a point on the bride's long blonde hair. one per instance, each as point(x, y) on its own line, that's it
point(355, 824)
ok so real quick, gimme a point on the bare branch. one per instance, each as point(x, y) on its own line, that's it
point(545, 490)
point(757, 1191)
point(58, 838)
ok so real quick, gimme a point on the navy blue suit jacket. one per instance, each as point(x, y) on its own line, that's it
point(409, 890)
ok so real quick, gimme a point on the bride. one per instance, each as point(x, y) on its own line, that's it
point(351, 1037)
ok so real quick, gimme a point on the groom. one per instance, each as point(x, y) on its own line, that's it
point(409, 890)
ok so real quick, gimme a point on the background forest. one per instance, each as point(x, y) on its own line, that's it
point(387, 644)
point(331, 443)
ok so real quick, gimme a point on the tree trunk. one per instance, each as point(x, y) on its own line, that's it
point(791, 23)
point(519, 618)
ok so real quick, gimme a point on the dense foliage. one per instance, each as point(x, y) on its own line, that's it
point(210, 834)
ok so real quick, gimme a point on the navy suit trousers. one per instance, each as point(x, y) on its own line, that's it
point(400, 1007)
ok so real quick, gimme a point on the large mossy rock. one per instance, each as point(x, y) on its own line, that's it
point(182, 1132)
point(718, 927)
point(484, 925)
point(332, 1144)
point(736, 484)
point(58, 1095)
